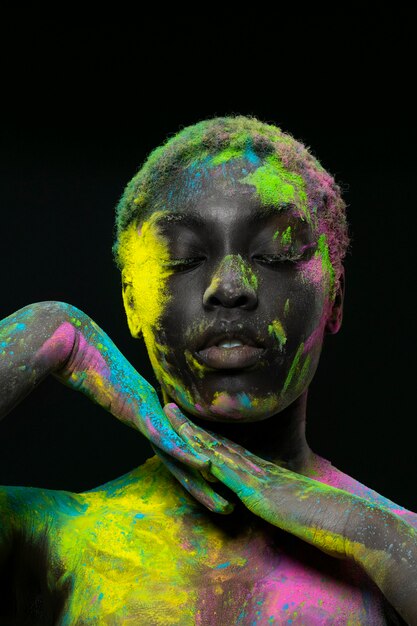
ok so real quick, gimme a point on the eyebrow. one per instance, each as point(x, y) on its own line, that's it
point(192, 219)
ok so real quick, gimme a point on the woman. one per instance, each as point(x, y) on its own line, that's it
point(230, 241)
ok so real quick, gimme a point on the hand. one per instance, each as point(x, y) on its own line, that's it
point(150, 419)
point(192, 480)
point(57, 338)
point(320, 514)
point(334, 521)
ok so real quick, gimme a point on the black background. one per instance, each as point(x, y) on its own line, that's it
point(81, 111)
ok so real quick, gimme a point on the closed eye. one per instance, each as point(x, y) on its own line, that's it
point(185, 263)
point(275, 259)
point(288, 257)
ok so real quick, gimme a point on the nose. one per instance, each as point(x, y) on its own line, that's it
point(233, 284)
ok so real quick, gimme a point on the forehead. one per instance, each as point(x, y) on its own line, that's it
point(238, 191)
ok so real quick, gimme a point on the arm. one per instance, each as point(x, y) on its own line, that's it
point(57, 338)
point(335, 521)
point(32, 575)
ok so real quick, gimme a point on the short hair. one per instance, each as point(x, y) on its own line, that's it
point(229, 137)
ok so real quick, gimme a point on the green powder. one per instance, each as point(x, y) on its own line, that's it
point(226, 155)
point(277, 331)
point(286, 236)
point(293, 367)
point(249, 279)
point(323, 252)
point(276, 185)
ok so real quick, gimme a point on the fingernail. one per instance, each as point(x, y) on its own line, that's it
point(223, 509)
point(229, 508)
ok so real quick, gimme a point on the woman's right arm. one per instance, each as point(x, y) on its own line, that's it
point(57, 338)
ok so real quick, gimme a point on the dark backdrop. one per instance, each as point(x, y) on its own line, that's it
point(82, 111)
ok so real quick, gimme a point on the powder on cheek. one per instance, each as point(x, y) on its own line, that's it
point(145, 255)
point(319, 267)
point(276, 330)
point(312, 270)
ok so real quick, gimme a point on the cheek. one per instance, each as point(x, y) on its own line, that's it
point(146, 255)
point(299, 313)
point(319, 271)
point(312, 272)
point(316, 280)
point(151, 296)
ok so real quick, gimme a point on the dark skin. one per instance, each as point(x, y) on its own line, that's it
point(219, 295)
point(223, 226)
point(256, 451)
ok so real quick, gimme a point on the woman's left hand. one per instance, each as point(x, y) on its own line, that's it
point(331, 519)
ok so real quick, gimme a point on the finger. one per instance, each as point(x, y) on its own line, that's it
point(184, 427)
point(229, 461)
point(208, 475)
point(226, 467)
point(214, 444)
point(159, 431)
point(231, 450)
point(192, 481)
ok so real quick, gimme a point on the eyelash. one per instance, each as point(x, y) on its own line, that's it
point(273, 259)
point(187, 263)
point(267, 259)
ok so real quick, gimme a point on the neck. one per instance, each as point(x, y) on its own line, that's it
point(279, 439)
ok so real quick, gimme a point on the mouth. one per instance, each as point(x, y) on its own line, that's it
point(230, 352)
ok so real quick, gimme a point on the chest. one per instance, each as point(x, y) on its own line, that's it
point(187, 570)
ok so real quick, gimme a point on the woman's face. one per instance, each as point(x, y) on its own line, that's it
point(243, 291)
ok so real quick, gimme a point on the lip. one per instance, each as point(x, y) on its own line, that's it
point(238, 357)
point(213, 338)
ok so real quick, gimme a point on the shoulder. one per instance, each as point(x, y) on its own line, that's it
point(31, 513)
point(327, 473)
point(30, 572)
point(151, 480)
point(31, 518)
point(150, 488)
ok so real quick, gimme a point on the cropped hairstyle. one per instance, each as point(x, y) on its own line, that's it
point(225, 138)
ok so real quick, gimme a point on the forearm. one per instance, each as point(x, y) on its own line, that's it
point(379, 541)
point(344, 525)
point(335, 521)
point(22, 335)
point(386, 548)
point(57, 338)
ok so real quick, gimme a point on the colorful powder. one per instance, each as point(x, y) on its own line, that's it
point(277, 331)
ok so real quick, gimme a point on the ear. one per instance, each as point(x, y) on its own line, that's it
point(133, 320)
point(334, 321)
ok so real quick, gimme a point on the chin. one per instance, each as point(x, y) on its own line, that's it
point(232, 407)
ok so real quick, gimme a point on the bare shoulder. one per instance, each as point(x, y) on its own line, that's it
point(150, 483)
point(30, 574)
point(325, 472)
point(31, 517)
point(32, 510)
